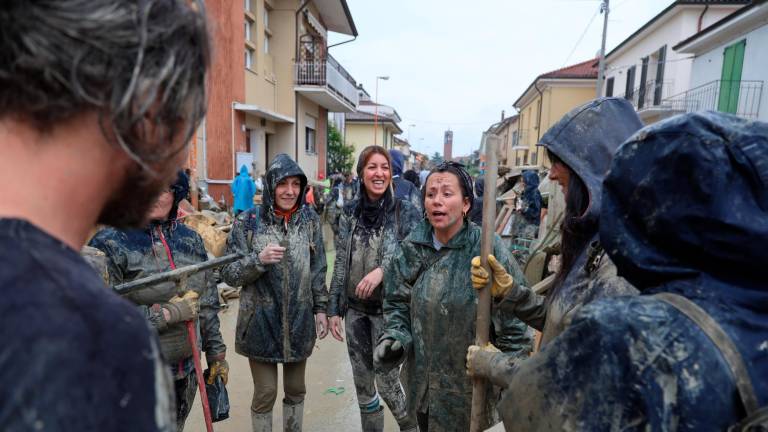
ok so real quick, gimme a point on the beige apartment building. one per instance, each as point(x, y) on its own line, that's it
point(272, 84)
point(549, 97)
point(370, 124)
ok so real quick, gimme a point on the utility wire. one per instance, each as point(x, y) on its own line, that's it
point(584, 33)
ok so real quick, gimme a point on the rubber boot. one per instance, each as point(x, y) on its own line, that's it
point(293, 415)
point(373, 421)
point(262, 422)
point(410, 429)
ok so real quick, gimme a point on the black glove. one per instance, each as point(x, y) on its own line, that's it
point(388, 354)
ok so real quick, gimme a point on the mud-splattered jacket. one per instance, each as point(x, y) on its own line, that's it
point(75, 357)
point(276, 322)
point(638, 363)
point(430, 307)
point(399, 220)
point(585, 139)
point(138, 253)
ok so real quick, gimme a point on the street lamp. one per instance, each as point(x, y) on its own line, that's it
point(376, 109)
point(409, 132)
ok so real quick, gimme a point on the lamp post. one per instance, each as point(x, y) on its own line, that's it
point(376, 109)
point(409, 132)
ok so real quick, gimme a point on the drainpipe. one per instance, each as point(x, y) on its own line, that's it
point(295, 94)
point(701, 17)
point(538, 119)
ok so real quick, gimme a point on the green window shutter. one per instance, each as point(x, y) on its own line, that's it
point(733, 61)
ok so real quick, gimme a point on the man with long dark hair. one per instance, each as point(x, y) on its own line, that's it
point(98, 100)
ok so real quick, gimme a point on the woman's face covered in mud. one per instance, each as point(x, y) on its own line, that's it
point(444, 203)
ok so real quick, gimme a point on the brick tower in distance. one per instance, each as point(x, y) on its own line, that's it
point(448, 145)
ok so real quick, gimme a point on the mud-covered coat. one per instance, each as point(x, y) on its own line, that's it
point(585, 139)
point(276, 322)
point(138, 253)
point(637, 363)
point(400, 218)
point(430, 307)
point(531, 198)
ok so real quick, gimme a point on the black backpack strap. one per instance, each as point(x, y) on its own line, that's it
point(723, 343)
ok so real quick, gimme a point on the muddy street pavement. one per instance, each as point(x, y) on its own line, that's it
point(324, 411)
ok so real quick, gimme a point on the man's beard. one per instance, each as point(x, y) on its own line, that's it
point(129, 205)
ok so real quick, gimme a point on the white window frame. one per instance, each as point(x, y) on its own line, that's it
point(248, 58)
point(247, 30)
point(310, 149)
point(247, 5)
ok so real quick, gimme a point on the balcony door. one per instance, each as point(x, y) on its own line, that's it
point(730, 80)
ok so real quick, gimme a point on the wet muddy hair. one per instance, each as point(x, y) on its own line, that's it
point(575, 232)
point(465, 181)
point(141, 66)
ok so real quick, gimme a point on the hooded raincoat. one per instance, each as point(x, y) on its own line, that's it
point(585, 139)
point(430, 307)
point(243, 188)
point(276, 321)
point(404, 189)
point(531, 198)
point(638, 363)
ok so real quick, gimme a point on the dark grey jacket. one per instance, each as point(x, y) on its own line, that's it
point(585, 139)
point(276, 321)
point(399, 220)
point(134, 254)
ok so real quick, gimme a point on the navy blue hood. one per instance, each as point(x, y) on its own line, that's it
point(687, 199)
point(586, 139)
point(480, 186)
point(397, 162)
point(282, 166)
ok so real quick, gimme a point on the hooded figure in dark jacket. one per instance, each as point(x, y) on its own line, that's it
point(404, 189)
point(685, 219)
point(162, 246)
point(580, 146)
point(531, 198)
point(283, 301)
point(476, 214)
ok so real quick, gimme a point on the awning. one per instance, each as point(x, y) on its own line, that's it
point(261, 112)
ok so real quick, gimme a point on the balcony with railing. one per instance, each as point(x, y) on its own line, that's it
point(327, 83)
point(648, 98)
point(736, 97)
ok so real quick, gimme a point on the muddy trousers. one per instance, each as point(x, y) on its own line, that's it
point(265, 393)
point(185, 389)
point(363, 331)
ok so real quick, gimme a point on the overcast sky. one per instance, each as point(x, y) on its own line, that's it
point(456, 64)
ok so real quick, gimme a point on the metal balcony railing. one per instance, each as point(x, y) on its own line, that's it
point(327, 72)
point(736, 97)
point(649, 95)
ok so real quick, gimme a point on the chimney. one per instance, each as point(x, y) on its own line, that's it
point(502, 115)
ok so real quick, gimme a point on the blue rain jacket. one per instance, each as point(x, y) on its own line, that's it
point(243, 188)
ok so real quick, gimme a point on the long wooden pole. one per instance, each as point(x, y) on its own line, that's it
point(484, 300)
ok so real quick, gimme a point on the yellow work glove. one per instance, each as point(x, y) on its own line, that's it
point(478, 364)
point(184, 308)
point(502, 281)
point(218, 368)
